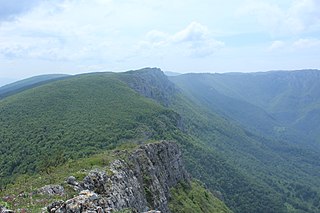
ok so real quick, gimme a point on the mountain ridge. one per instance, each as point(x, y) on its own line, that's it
point(104, 110)
point(19, 86)
point(285, 96)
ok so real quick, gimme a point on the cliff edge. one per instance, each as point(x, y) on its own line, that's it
point(138, 182)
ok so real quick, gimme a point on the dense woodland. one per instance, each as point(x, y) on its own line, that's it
point(243, 159)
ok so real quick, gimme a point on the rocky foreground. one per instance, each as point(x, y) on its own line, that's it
point(139, 183)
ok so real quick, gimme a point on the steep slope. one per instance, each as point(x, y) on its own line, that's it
point(151, 83)
point(79, 116)
point(129, 179)
point(139, 181)
point(201, 88)
point(271, 165)
point(47, 125)
point(278, 103)
point(50, 125)
point(71, 118)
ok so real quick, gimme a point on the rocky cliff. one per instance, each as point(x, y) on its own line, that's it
point(138, 182)
point(151, 83)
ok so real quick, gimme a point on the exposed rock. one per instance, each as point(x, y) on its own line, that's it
point(158, 167)
point(51, 190)
point(151, 83)
point(55, 205)
point(72, 181)
point(140, 183)
point(87, 201)
point(5, 210)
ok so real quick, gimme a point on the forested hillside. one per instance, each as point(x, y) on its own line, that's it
point(80, 116)
point(271, 162)
point(278, 103)
point(19, 86)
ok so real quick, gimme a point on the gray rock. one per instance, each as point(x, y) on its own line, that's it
point(87, 201)
point(53, 207)
point(158, 85)
point(140, 184)
point(72, 181)
point(51, 190)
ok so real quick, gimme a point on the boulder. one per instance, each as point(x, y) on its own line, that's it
point(51, 190)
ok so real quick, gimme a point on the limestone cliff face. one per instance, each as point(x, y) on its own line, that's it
point(140, 182)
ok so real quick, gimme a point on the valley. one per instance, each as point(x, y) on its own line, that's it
point(252, 139)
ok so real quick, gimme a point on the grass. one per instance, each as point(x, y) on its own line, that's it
point(195, 198)
point(21, 194)
point(71, 119)
point(57, 123)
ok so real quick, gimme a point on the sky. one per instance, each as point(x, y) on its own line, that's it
point(75, 36)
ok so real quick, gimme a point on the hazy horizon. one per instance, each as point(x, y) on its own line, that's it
point(74, 36)
point(7, 81)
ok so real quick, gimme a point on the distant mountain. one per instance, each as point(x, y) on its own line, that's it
point(279, 103)
point(18, 86)
point(226, 141)
point(246, 149)
point(5, 81)
point(168, 73)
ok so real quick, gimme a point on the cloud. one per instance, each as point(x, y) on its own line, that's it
point(75, 35)
point(301, 16)
point(157, 38)
point(69, 30)
point(194, 32)
point(276, 45)
point(58, 30)
point(9, 9)
point(295, 45)
point(195, 40)
point(306, 43)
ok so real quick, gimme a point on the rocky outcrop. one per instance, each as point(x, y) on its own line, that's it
point(139, 182)
point(151, 83)
point(86, 201)
point(51, 190)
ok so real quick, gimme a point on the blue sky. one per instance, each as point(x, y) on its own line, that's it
point(75, 36)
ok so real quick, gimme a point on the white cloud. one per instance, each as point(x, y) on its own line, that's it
point(275, 45)
point(192, 33)
point(295, 45)
point(76, 35)
point(61, 30)
point(306, 43)
point(195, 40)
point(300, 17)
point(157, 37)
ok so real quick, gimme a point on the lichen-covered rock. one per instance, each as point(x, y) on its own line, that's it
point(74, 184)
point(87, 201)
point(51, 190)
point(72, 181)
point(53, 207)
point(141, 182)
